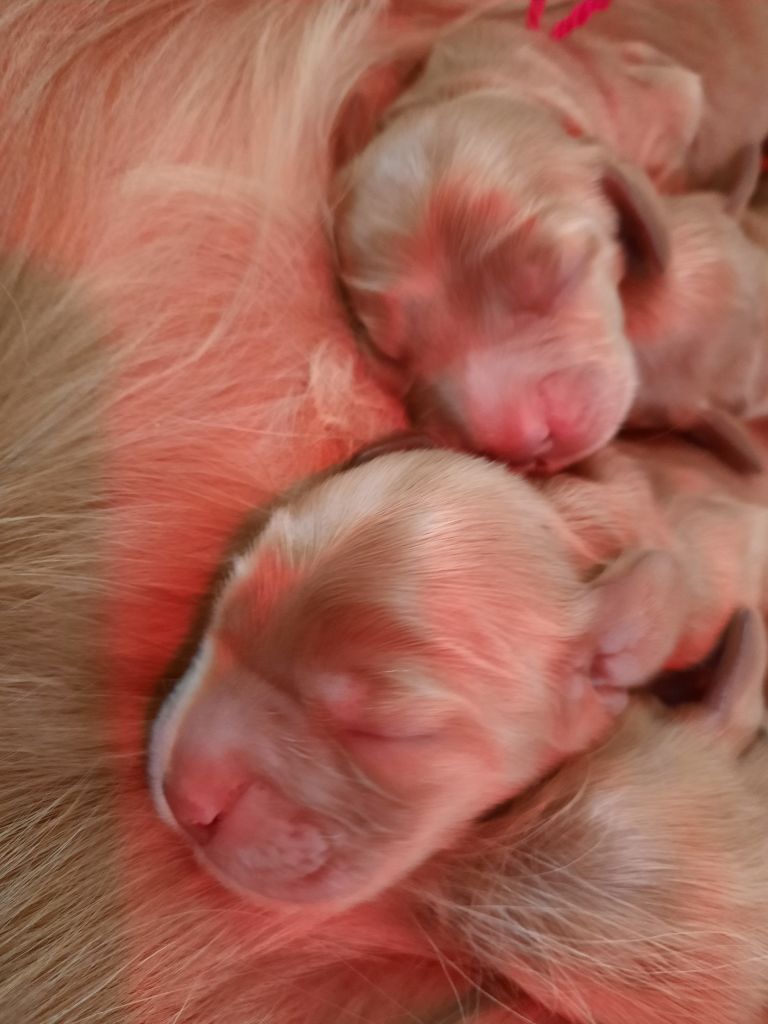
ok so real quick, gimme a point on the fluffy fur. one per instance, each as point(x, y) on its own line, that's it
point(60, 944)
point(165, 160)
point(632, 885)
point(172, 353)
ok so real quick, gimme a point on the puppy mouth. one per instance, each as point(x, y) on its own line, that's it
point(261, 875)
point(268, 849)
point(256, 875)
point(260, 832)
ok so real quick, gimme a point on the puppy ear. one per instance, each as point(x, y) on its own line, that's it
point(635, 624)
point(636, 621)
point(737, 180)
point(642, 224)
point(667, 99)
point(728, 438)
point(734, 703)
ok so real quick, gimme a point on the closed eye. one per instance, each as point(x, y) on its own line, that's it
point(390, 758)
point(347, 708)
point(388, 735)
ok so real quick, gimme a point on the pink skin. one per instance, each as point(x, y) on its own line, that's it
point(542, 428)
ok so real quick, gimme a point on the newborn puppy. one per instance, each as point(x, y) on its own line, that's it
point(633, 885)
point(481, 248)
point(700, 331)
point(412, 640)
point(483, 234)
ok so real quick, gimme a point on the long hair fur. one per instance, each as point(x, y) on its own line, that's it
point(173, 353)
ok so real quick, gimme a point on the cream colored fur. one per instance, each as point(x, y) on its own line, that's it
point(629, 888)
point(173, 353)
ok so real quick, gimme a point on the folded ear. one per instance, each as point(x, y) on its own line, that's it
point(637, 619)
point(737, 180)
point(643, 227)
point(728, 438)
point(667, 100)
point(734, 702)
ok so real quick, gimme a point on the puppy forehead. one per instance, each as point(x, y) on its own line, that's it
point(388, 527)
point(488, 140)
point(397, 485)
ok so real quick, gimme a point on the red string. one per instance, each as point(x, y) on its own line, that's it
point(579, 16)
point(535, 13)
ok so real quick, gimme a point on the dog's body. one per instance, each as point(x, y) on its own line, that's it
point(140, 160)
point(632, 886)
point(479, 242)
point(724, 42)
point(644, 105)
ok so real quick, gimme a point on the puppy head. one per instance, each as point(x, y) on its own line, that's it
point(394, 654)
point(482, 249)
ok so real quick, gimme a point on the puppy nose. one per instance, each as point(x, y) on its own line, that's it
point(518, 437)
point(525, 450)
point(199, 796)
point(499, 412)
point(244, 826)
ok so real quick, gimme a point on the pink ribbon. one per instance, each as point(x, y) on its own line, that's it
point(579, 16)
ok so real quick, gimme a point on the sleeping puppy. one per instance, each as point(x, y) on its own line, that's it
point(632, 886)
point(409, 641)
point(481, 249)
point(484, 233)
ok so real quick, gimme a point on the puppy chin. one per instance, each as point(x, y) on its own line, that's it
point(344, 882)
